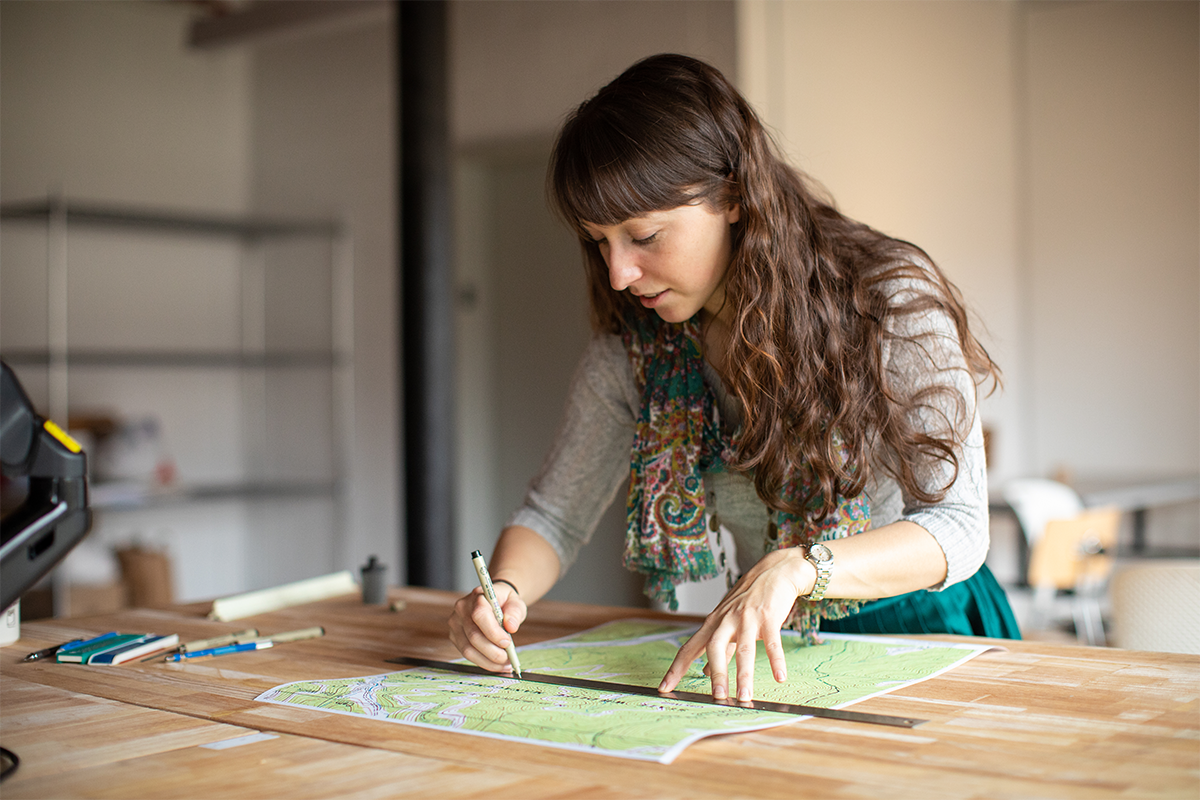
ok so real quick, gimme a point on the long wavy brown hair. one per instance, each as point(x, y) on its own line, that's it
point(812, 293)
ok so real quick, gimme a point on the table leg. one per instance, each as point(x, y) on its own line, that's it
point(1139, 530)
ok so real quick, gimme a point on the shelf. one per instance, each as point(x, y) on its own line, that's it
point(85, 213)
point(285, 353)
point(196, 359)
point(132, 495)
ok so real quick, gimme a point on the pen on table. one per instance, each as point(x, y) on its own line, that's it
point(286, 636)
point(219, 641)
point(293, 636)
point(50, 652)
point(485, 580)
point(261, 644)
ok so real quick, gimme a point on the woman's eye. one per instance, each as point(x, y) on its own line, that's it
point(646, 240)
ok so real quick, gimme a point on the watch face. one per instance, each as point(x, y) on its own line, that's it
point(820, 552)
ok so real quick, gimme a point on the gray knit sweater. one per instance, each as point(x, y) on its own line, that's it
point(590, 459)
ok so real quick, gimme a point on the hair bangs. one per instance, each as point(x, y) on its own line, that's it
point(610, 167)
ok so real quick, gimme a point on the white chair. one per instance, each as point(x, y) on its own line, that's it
point(1036, 501)
point(1156, 606)
point(1068, 573)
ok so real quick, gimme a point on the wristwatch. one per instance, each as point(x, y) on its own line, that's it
point(820, 557)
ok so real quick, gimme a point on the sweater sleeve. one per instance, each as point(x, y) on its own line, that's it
point(928, 363)
point(589, 460)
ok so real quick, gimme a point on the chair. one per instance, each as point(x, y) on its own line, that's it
point(1076, 556)
point(1036, 501)
point(1156, 606)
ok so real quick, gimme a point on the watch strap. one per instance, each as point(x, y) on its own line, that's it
point(824, 573)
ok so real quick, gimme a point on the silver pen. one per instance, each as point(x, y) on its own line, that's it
point(485, 580)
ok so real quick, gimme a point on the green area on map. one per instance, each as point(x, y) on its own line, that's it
point(841, 670)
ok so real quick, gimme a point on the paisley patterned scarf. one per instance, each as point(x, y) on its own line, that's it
point(678, 437)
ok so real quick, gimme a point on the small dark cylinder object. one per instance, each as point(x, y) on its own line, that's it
point(374, 582)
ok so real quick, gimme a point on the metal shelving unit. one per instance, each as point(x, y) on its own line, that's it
point(253, 360)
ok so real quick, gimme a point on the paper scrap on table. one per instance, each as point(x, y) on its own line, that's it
point(238, 741)
point(844, 669)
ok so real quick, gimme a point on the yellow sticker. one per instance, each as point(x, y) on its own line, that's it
point(62, 436)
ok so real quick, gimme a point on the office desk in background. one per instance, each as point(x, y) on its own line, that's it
point(1037, 720)
point(1137, 498)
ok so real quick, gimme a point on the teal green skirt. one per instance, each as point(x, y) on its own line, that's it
point(974, 607)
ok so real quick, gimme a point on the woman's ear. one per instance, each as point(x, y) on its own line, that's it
point(733, 213)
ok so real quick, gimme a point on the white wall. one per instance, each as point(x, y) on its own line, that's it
point(519, 66)
point(1113, 294)
point(324, 144)
point(101, 100)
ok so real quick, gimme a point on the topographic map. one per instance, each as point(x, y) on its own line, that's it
point(844, 669)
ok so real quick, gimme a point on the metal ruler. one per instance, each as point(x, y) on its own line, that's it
point(690, 697)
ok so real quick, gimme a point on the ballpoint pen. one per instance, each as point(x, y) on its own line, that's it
point(221, 651)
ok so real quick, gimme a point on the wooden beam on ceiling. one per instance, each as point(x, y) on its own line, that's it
point(258, 20)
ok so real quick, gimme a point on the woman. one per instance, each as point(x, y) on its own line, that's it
point(764, 369)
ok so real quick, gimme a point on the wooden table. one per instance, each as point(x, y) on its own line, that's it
point(1037, 720)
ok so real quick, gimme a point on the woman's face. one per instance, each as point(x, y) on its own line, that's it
point(672, 261)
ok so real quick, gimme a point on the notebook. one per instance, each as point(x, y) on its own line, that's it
point(78, 653)
point(150, 643)
point(112, 646)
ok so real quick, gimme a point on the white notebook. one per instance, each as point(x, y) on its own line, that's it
point(145, 645)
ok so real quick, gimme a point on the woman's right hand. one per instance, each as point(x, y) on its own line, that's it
point(475, 631)
point(521, 558)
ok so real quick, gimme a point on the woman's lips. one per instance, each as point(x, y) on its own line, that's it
point(652, 300)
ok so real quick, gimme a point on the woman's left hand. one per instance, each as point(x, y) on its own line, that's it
point(755, 608)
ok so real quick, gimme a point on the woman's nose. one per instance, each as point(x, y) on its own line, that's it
point(623, 270)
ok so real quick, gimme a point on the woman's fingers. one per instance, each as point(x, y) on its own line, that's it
point(755, 609)
point(676, 671)
point(713, 639)
point(690, 651)
point(773, 644)
point(746, 650)
point(476, 633)
point(479, 659)
point(718, 674)
point(719, 650)
point(514, 610)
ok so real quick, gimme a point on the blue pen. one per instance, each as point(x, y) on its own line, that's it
point(79, 644)
point(261, 644)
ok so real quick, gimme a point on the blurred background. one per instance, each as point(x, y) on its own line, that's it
point(200, 271)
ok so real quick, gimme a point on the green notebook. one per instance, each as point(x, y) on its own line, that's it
point(80, 654)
